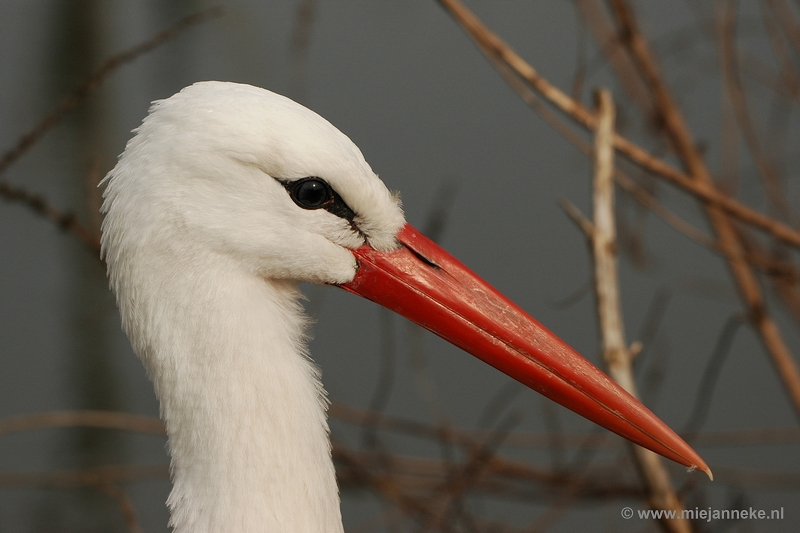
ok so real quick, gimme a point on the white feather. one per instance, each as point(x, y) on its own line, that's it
point(204, 249)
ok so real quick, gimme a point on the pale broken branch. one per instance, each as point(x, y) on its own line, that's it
point(661, 494)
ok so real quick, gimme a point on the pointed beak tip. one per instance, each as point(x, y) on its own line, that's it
point(702, 467)
point(706, 469)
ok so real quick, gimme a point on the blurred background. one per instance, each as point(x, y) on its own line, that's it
point(479, 171)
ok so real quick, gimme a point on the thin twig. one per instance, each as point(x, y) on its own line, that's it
point(86, 477)
point(67, 220)
point(762, 71)
point(505, 477)
point(386, 378)
point(461, 479)
point(301, 38)
point(94, 419)
point(68, 103)
point(499, 401)
point(785, 15)
point(641, 195)
point(773, 184)
point(783, 275)
point(609, 309)
point(353, 469)
point(583, 223)
point(780, 270)
point(602, 27)
point(705, 391)
point(555, 433)
point(650, 325)
point(126, 507)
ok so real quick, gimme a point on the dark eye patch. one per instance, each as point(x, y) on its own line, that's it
point(316, 193)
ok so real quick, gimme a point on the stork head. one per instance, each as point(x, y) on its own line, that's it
point(243, 174)
point(239, 171)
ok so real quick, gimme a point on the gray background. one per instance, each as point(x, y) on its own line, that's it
point(433, 119)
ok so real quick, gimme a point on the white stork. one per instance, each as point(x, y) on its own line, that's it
point(227, 197)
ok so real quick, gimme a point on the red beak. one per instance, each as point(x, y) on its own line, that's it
point(430, 287)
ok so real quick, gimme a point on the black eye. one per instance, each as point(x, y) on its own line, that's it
point(315, 193)
point(311, 193)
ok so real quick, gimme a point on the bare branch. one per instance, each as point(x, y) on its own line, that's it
point(735, 90)
point(301, 37)
point(494, 47)
point(65, 220)
point(95, 419)
point(68, 103)
point(583, 223)
point(678, 132)
point(124, 503)
point(609, 308)
point(705, 391)
point(646, 199)
point(602, 27)
point(87, 477)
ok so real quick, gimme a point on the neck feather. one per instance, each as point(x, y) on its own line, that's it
point(243, 405)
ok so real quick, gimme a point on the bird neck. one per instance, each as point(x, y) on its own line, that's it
point(243, 406)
